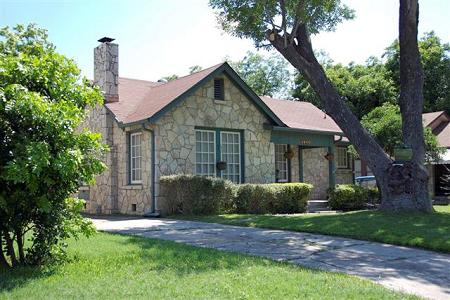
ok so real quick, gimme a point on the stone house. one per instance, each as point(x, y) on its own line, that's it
point(190, 124)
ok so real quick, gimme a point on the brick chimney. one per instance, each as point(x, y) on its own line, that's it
point(106, 69)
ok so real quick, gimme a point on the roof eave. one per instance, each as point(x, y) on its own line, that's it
point(304, 130)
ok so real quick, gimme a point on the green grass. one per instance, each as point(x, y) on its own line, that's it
point(429, 231)
point(110, 266)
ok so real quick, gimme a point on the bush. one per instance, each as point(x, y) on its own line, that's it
point(195, 195)
point(272, 198)
point(348, 197)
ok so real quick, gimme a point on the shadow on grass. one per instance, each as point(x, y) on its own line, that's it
point(429, 231)
point(160, 255)
point(20, 276)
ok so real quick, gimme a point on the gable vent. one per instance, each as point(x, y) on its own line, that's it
point(219, 89)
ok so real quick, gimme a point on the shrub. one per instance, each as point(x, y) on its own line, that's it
point(195, 195)
point(272, 198)
point(348, 197)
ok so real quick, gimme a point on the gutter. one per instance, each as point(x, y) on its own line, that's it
point(289, 129)
point(153, 212)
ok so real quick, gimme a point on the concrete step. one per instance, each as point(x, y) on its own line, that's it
point(319, 206)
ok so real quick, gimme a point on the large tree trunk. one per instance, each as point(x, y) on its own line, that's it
point(403, 187)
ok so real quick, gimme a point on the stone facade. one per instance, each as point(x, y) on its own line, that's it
point(102, 196)
point(112, 191)
point(175, 132)
point(316, 171)
point(106, 70)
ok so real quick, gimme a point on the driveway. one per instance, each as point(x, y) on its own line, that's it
point(420, 272)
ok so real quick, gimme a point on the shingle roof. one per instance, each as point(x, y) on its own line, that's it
point(301, 115)
point(428, 118)
point(440, 129)
point(139, 99)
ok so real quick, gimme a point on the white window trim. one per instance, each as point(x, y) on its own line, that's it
point(338, 165)
point(214, 152)
point(239, 152)
point(286, 165)
point(134, 181)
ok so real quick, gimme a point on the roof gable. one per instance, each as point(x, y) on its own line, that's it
point(143, 101)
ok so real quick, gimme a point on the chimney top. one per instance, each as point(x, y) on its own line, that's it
point(106, 40)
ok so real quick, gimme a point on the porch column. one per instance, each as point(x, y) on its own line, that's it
point(331, 168)
point(300, 163)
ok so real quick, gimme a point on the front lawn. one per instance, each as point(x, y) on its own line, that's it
point(430, 231)
point(110, 266)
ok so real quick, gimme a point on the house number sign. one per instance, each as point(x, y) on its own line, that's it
point(305, 142)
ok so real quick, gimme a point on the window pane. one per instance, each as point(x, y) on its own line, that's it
point(205, 152)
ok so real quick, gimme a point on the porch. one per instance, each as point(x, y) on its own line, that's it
point(316, 157)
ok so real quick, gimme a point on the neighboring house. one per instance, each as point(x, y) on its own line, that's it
point(439, 122)
point(190, 124)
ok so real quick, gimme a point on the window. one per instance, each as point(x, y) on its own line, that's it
point(219, 89)
point(281, 163)
point(135, 158)
point(342, 157)
point(230, 145)
point(205, 152)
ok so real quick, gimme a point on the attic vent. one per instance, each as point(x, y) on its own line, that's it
point(218, 89)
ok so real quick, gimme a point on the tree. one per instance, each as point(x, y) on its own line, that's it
point(195, 69)
point(169, 78)
point(363, 87)
point(43, 156)
point(287, 26)
point(436, 66)
point(266, 76)
point(385, 124)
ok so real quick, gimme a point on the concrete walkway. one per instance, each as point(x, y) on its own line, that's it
point(420, 272)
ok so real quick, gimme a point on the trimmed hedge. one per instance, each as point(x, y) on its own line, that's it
point(282, 198)
point(197, 195)
point(348, 197)
point(194, 195)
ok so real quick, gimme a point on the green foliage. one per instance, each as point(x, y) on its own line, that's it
point(198, 195)
point(43, 154)
point(170, 77)
point(363, 87)
point(348, 197)
point(266, 76)
point(195, 69)
point(436, 67)
point(252, 18)
point(272, 198)
point(385, 125)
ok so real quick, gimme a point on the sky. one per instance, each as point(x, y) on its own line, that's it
point(162, 37)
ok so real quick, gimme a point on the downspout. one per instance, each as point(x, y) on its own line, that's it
point(152, 212)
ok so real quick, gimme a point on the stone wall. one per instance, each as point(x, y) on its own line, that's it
point(315, 171)
point(101, 198)
point(344, 176)
point(175, 138)
point(112, 192)
point(106, 70)
point(129, 194)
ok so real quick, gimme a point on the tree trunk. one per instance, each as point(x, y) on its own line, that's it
point(10, 250)
point(19, 240)
point(402, 187)
point(3, 261)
